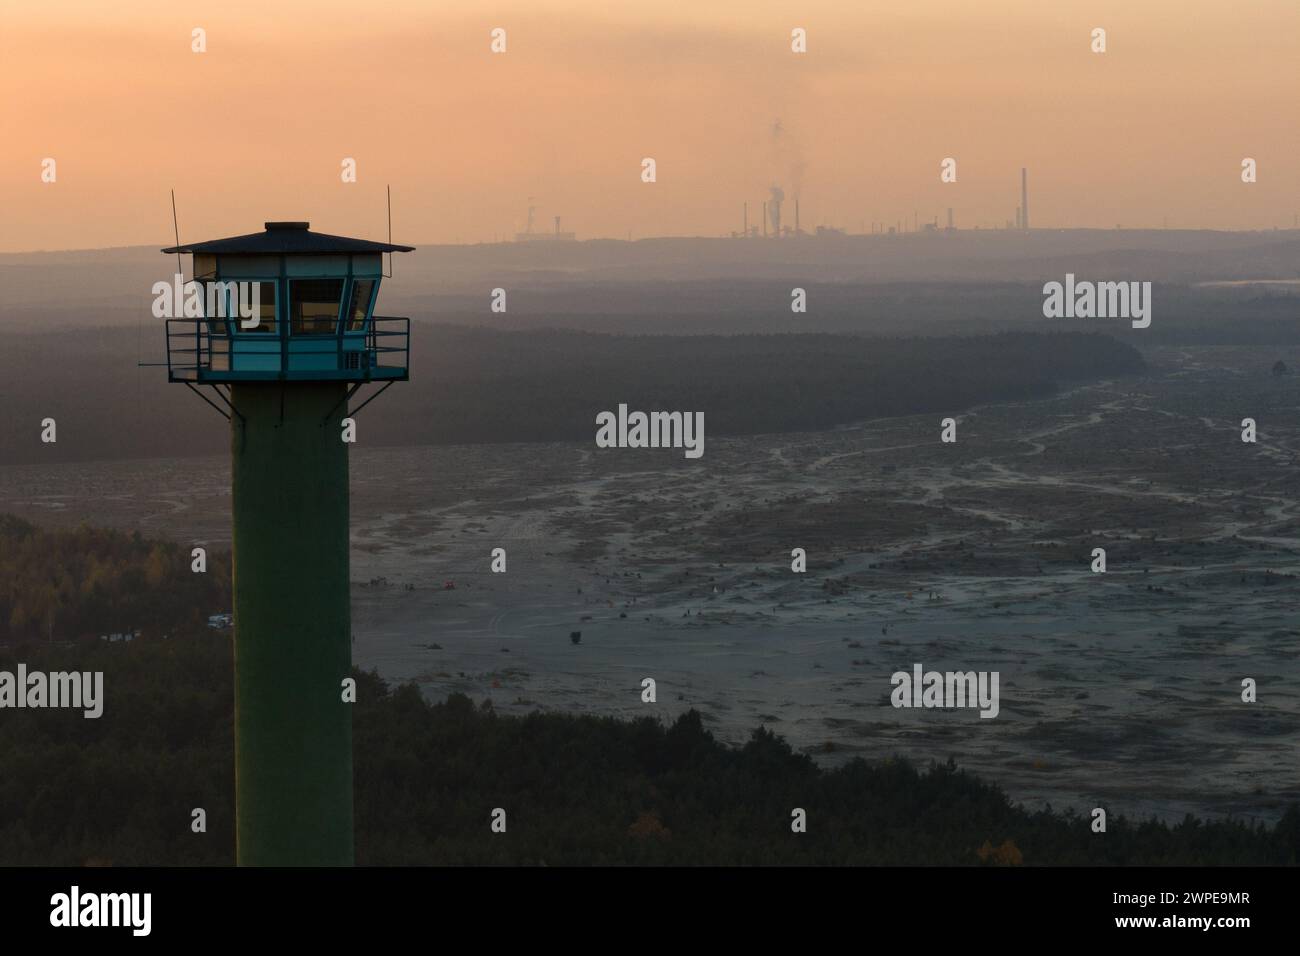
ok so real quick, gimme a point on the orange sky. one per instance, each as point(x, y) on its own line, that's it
point(256, 127)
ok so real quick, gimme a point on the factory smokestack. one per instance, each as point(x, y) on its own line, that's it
point(557, 225)
point(774, 210)
point(1024, 198)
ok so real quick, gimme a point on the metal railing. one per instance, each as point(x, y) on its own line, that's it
point(189, 351)
point(397, 329)
point(195, 354)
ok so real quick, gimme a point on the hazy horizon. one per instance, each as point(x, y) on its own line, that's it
point(684, 237)
point(253, 129)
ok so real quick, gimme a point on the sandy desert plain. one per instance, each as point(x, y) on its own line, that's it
point(1120, 689)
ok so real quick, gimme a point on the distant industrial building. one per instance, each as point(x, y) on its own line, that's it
point(530, 235)
point(1024, 199)
point(772, 215)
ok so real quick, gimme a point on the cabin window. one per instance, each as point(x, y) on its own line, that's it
point(223, 300)
point(265, 310)
point(362, 290)
point(314, 306)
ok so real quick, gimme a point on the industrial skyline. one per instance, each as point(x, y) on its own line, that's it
point(854, 128)
point(772, 212)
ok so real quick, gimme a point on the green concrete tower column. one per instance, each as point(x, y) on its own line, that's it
point(293, 732)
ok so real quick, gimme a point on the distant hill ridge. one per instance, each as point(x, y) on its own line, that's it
point(476, 385)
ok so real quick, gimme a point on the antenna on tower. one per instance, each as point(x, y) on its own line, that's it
point(176, 231)
point(389, 190)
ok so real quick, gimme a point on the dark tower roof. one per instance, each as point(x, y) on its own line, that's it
point(287, 238)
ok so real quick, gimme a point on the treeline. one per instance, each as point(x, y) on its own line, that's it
point(482, 385)
point(576, 789)
point(474, 385)
point(120, 789)
point(79, 584)
point(582, 790)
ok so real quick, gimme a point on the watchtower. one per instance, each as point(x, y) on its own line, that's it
point(283, 371)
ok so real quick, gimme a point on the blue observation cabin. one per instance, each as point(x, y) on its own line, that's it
point(314, 320)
